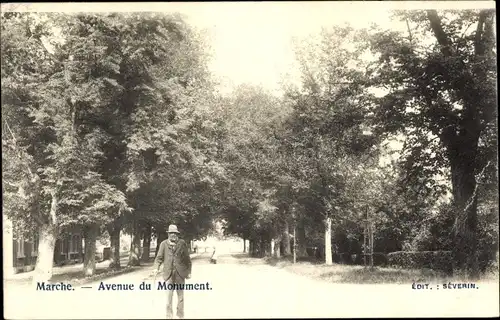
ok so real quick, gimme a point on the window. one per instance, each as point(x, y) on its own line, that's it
point(61, 246)
point(20, 247)
point(34, 246)
point(74, 243)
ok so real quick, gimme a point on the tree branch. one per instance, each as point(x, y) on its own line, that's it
point(478, 45)
point(439, 33)
point(32, 176)
point(464, 84)
point(463, 33)
point(12, 184)
point(462, 216)
point(489, 36)
point(410, 38)
point(322, 178)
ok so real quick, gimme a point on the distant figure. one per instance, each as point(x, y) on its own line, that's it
point(213, 259)
point(174, 254)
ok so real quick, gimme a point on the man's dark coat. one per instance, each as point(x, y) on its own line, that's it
point(177, 259)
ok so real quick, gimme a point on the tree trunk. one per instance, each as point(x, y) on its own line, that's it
point(365, 237)
point(189, 243)
point(286, 239)
point(301, 241)
point(263, 247)
point(48, 234)
point(135, 247)
point(90, 238)
point(269, 247)
point(277, 251)
point(328, 240)
point(244, 245)
point(146, 244)
point(462, 141)
point(255, 247)
point(114, 234)
point(294, 244)
point(46, 244)
point(162, 235)
point(371, 245)
point(466, 222)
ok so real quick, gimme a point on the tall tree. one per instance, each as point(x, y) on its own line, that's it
point(250, 116)
point(329, 121)
point(62, 145)
point(441, 82)
point(171, 142)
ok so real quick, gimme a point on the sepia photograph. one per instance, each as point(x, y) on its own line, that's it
point(215, 160)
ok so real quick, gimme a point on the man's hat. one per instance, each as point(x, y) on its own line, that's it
point(172, 229)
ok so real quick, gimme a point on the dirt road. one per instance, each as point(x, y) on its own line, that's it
point(251, 291)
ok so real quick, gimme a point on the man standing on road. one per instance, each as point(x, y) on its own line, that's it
point(174, 255)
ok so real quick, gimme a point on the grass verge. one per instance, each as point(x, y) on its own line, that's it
point(339, 273)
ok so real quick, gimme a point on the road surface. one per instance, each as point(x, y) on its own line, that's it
point(250, 291)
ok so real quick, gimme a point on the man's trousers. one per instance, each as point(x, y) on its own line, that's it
point(173, 283)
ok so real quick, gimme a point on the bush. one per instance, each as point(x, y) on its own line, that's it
point(379, 259)
point(343, 258)
point(313, 260)
point(357, 258)
point(436, 260)
point(314, 252)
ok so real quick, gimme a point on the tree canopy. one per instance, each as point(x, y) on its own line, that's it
point(112, 122)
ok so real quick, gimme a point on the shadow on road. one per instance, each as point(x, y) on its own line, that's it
point(240, 258)
point(245, 258)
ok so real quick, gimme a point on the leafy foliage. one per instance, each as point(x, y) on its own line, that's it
point(437, 260)
point(114, 120)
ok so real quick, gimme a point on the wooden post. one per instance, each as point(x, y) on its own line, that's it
point(368, 238)
point(364, 242)
point(368, 227)
point(371, 245)
point(294, 244)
